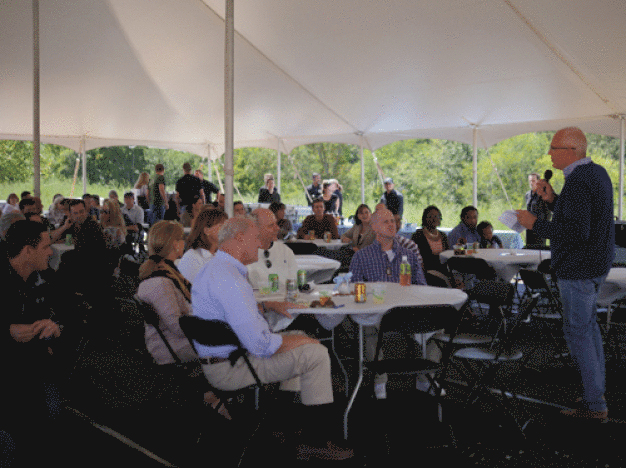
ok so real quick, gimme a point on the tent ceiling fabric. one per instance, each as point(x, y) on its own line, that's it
point(123, 72)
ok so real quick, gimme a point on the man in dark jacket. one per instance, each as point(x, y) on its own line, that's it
point(582, 243)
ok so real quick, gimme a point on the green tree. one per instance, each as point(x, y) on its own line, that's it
point(16, 161)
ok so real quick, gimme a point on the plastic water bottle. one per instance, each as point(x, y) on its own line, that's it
point(405, 272)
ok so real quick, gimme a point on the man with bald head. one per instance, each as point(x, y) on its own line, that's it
point(222, 292)
point(380, 261)
point(582, 242)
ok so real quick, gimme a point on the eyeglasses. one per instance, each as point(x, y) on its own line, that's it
point(553, 148)
point(268, 263)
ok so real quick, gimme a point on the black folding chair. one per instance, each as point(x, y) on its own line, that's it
point(472, 271)
point(218, 333)
point(409, 321)
point(547, 313)
point(507, 349)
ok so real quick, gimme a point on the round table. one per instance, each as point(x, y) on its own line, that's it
point(318, 269)
point(614, 287)
point(506, 262)
point(334, 244)
point(368, 313)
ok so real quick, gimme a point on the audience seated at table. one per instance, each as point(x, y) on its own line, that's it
point(113, 224)
point(284, 224)
point(465, 232)
point(487, 238)
point(12, 204)
point(201, 243)
point(318, 222)
point(381, 260)
point(430, 240)
point(30, 388)
point(273, 257)
point(56, 213)
point(361, 234)
point(169, 293)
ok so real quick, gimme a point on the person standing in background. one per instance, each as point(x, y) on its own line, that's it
point(315, 189)
point(538, 207)
point(392, 199)
point(158, 199)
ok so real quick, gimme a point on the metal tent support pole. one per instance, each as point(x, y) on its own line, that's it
point(622, 134)
point(278, 165)
point(362, 170)
point(83, 153)
point(36, 109)
point(475, 167)
point(229, 95)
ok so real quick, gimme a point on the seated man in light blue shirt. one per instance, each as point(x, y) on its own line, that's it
point(466, 230)
point(222, 292)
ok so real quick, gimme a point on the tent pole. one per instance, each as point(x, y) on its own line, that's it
point(229, 82)
point(278, 165)
point(475, 167)
point(362, 171)
point(36, 109)
point(622, 133)
point(83, 153)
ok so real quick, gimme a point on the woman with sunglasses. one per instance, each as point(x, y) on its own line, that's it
point(202, 242)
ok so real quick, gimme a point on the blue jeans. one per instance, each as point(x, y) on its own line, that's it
point(157, 213)
point(583, 337)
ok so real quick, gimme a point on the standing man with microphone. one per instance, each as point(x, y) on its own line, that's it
point(537, 206)
point(582, 243)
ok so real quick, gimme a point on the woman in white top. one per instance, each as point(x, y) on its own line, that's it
point(361, 234)
point(202, 242)
point(12, 205)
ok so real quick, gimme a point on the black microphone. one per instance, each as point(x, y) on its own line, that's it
point(547, 175)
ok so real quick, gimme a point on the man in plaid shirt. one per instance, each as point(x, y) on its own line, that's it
point(381, 260)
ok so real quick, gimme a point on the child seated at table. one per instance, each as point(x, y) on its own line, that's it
point(487, 239)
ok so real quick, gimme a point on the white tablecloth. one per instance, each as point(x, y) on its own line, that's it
point(614, 288)
point(334, 244)
point(318, 269)
point(506, 262)
point(368, 313)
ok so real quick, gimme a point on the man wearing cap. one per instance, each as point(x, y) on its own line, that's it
point(393, 200)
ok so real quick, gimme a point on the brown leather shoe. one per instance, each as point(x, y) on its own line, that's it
point(582, 413)
point(329, 452)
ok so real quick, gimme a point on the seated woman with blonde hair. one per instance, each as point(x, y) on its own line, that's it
point(169, 293)
point(202, 242)
point(112, 222)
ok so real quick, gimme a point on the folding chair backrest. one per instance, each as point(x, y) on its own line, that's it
point(438, 279)
point(471, 266)
point(494, 293)
point(208, 332)
point(534, 280)
point(545, 267)
point(215, 333)
point(416, 320)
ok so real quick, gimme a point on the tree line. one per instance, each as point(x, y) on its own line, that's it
point(426, 171)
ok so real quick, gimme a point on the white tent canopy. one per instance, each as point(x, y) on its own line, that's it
point(150, 72)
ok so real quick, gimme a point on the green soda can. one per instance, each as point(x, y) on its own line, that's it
point(68, 239)
point(273, 279)
point(301, 278)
